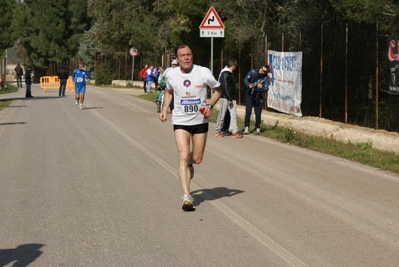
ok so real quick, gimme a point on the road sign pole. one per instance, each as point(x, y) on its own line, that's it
point(211, 60)
point(133, 52)
point(132, 68)
point(133, 71)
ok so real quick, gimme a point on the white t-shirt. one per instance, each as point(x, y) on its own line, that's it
point(190, 94)
point(164, 73)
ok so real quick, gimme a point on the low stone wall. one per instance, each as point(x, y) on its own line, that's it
point(124, 83)
point(379, 139)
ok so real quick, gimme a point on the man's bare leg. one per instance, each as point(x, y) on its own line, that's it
point(199, 142)
point(182, 139)
point(186, 158)
point(82, 98)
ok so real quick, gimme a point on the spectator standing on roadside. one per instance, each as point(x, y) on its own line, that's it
point(149, 79)
point(227, 101)
point(226, 124)
point(63, 77)
point(143, 72)
point(19, 72)
point(189, 84)
point(28, 81)
point(155, 76)
point(256, 83)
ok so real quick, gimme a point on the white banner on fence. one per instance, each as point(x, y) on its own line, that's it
point(285, 91)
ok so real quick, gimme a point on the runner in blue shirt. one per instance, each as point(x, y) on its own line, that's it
point(79, 79)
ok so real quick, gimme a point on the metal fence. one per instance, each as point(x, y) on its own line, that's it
point(343, 72)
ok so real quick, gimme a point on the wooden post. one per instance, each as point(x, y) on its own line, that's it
point(376, 76)
point(346, 75)
point(321, 74)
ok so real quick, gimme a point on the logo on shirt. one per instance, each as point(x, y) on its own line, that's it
point(186, 83)
point(189, 102)
point(188, 95)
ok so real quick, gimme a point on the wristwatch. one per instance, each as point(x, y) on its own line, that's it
point(210, 106)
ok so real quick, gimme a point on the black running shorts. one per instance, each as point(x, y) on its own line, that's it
point(193, 129)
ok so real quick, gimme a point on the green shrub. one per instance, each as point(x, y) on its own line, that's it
point(103, 74)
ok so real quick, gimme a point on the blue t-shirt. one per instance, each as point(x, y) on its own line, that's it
point(78, 77)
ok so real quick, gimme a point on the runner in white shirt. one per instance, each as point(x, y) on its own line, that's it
point(188, 83)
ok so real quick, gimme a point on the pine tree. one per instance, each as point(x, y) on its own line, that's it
point(8, 35)
point(52, 30)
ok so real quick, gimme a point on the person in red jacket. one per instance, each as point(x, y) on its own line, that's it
point(142, 75)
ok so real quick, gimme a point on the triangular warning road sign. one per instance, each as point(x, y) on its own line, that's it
point(212, 20)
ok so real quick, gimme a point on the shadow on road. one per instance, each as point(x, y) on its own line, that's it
point(28, 98)
point(15, 106)
point(91, 107)
point(214, 193)
point(13, 123)
point(22, 255)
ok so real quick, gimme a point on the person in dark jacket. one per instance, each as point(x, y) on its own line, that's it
point(227, 100)
point(63, 76)
point(28, 81)
point(19, 72)
point(155, 76)
point(256, 83)
point(226, 125)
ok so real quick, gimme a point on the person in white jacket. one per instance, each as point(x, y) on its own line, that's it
point(227, 100)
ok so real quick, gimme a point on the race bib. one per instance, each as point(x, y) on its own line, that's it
point(190, 106)
point(79, 79)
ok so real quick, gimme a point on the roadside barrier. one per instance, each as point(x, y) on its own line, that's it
point(53, 82)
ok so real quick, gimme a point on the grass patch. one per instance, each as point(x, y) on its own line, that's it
point(362, 153)
point(6, 90)
point(4, 104)
point(149, 97)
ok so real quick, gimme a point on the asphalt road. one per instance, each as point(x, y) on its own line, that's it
point(99, 187)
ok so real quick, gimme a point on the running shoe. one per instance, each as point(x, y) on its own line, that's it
point(226, 133)
point(219, 134)
point(246, 130)
point(188, 203)
point(257, 131)
point(81, 106)
point(76, 102)
point(237, 135)
point(191, 168)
